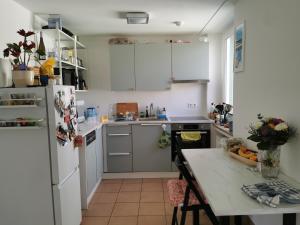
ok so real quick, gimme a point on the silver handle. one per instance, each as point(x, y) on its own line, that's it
point(117, 125)
point(201, 132)
point(119, 154)
point(114, 135)
point(151, 124)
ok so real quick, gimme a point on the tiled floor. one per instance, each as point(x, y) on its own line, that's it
point(132, 202)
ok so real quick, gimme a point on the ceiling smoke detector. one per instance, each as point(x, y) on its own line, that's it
point(178, 23)
point(137, 18)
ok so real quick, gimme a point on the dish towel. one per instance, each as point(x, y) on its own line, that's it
point(164, 140)
point(272, 193)
point(191, 136)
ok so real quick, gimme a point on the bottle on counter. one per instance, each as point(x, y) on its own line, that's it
point(147, 111)
point(41, 49)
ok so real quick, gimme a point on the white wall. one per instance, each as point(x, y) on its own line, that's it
point(97, 59)
point(270, 82)
point(12, 18)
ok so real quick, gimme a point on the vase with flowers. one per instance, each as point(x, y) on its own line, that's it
point(270, 134)
point(22, 53)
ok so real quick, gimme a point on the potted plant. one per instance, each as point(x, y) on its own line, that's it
point(21, 52)
point(270, 134)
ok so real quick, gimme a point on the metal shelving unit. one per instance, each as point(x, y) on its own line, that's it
point(59, 40)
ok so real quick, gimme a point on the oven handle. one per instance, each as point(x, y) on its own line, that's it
point(201, 132)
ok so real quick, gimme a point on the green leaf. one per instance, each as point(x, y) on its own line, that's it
point(254, 138)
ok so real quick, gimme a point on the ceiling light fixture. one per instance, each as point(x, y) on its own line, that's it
point(137, 18)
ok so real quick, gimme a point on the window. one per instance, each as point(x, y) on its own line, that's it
point(229, 70)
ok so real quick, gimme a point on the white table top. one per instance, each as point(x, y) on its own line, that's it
point(221, 178)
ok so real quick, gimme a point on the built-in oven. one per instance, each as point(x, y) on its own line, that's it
point(177, 143)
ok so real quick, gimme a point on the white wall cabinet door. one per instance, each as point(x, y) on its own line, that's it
point(153, 67)
point(190, 61)
point(122, 67)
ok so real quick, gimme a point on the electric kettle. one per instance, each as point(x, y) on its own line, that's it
point(5, 73)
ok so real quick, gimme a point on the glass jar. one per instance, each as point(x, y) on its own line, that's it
point(270, 162)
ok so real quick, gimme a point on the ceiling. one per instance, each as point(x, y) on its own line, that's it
point(92, 17)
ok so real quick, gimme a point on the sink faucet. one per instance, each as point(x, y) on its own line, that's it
point(151, 110)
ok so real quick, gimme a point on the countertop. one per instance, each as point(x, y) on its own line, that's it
point(85, 127)
point(223, 130)
point(111, 122)
point(221, 178)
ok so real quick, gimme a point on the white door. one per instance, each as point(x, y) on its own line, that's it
point(67, 203)
point(64, 159)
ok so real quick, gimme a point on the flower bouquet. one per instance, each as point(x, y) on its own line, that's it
point(270, 133)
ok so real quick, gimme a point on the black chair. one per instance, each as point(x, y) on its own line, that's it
point(191, 187)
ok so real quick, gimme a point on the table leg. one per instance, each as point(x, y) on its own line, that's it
point(238, 220)
point(224, 220)
point(289, 219)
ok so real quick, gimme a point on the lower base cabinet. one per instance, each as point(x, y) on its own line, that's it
point(147, 156)
point(118, 149)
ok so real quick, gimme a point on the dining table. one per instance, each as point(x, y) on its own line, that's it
point(221, 177)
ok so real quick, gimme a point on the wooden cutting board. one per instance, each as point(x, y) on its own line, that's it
point(124, 107)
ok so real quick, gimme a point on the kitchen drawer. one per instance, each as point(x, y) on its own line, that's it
point(119, 148)
point(118, 129)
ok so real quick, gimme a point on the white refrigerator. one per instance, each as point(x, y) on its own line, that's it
point(39, 173)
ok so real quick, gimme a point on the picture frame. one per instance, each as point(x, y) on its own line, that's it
point(239, 47)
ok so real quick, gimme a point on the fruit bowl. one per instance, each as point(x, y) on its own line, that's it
point(246, 156)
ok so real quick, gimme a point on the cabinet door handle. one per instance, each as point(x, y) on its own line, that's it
point(201, 132)
point(119, 154)
point(151, 124)
point(114, 135)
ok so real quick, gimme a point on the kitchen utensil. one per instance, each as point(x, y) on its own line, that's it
point(5, 73)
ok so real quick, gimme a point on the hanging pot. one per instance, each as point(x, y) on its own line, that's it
point(23, 78)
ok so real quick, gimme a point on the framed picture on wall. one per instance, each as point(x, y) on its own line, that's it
point(239, 47)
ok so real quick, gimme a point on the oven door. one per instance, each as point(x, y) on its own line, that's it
point(178, 143)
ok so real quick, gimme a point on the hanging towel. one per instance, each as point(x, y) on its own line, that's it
point(164, 140)
point(191, 136)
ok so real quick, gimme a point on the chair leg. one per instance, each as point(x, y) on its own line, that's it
point(211, 215)
point(174, 218)
point(196, 219)
point(183, 216)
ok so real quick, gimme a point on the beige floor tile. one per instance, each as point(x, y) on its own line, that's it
point(83, 212)
point(100, 209)
point(151, 220)
point(166, 197)
point(111, 181)
point(129, 197)
point(126, 209)
point(95, 221)
point(152, 180)
point(123, 220)
point(152, 197)
point(104, 197)
point(169, 209)
point(131, 187)
point(165, 187)
point(152, 187)
point(133, 181)
point(112, 188)
point(149, 209)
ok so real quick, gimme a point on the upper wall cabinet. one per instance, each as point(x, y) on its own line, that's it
point(122, 67)
point(190, 61)
point(153, 66)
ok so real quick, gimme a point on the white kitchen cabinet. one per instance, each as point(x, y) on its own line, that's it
point(153, 67)
point(122, 67)
point(190, 61)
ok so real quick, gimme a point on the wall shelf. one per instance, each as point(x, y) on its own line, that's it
point(22, 128)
